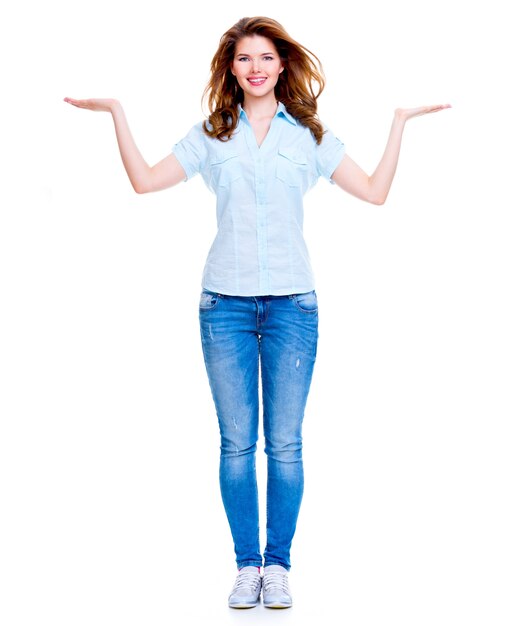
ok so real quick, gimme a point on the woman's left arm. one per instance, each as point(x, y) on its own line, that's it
point(374, 189)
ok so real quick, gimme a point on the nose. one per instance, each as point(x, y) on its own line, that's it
point(255, 65)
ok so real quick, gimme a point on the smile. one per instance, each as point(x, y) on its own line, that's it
point(257, 81)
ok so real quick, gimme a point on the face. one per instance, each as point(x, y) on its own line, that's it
point(256, 66)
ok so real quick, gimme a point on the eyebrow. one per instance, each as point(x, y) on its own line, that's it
point(245, 54)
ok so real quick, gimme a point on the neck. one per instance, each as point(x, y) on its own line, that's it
point(257, 108)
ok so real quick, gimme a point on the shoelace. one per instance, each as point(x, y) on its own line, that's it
point(275, 581)
point(246, 579)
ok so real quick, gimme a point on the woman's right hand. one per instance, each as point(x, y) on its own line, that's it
point(94, 104)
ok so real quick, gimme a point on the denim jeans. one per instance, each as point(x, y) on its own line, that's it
point(278, 336)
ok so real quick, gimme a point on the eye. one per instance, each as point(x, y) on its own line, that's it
point(242, 59)
point(268, 58)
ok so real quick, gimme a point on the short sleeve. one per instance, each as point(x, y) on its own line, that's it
point(191, 151)
point(329, 154)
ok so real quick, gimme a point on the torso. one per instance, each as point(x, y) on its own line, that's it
point(259, 178)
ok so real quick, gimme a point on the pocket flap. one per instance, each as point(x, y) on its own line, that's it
point(222, 156)
point(294, 155)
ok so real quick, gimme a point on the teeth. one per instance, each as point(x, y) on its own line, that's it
point(256, 81)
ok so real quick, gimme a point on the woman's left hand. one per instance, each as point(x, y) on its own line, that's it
point(406, 114)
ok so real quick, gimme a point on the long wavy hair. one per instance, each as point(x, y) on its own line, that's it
point(298, 86)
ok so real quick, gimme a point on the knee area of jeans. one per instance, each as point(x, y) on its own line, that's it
point(232, 449)
point(237, 469)
point(286, 455)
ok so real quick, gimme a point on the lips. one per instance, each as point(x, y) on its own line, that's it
point(257, 81)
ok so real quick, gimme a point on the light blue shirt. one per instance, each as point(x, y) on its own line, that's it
point(259, 248)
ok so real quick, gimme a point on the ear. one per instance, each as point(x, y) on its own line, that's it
point(281, 70)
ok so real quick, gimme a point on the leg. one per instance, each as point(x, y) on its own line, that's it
point(288, 350)
point(231, 352)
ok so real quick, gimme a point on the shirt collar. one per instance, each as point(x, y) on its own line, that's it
point(280, 112)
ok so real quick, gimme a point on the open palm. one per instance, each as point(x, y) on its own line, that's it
point(93, 104)
point(407, 114)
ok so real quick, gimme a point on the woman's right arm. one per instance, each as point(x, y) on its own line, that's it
point(143, 178)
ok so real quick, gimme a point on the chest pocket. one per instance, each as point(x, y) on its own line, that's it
point(292, 167)
point(225, 167)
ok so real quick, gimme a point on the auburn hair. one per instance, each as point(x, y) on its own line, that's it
point(298, 86)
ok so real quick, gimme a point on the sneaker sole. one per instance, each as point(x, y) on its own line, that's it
point(243, 605)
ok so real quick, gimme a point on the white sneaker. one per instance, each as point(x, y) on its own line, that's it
point(275, 588)
point(246, 591)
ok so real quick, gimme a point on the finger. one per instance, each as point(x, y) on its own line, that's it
point(76, 103)
point(433, 108)
point(437, 107)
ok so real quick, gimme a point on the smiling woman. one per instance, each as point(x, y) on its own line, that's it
point(274, 63)
point(261, 148)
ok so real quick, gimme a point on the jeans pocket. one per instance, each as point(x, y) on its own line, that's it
point(208, 300)
point(306, 302)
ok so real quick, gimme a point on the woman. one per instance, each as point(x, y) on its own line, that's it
point(261, 148)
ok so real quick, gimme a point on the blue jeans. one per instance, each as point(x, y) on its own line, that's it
point(279, 334)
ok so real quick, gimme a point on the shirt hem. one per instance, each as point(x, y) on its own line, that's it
point(252, 294)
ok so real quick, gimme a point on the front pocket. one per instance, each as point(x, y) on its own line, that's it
point(224, 169)
point(208, 300)
point(306, 302)
point(292, 167)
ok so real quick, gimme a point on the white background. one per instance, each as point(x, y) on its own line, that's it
point(111, 512)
